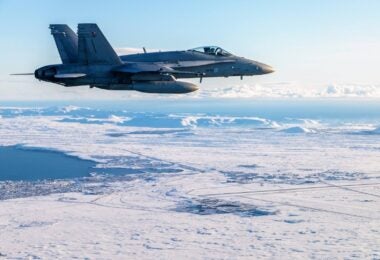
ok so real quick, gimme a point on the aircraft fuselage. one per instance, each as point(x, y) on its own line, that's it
point(88, 59)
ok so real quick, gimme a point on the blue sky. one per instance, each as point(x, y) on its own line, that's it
point(308, 42)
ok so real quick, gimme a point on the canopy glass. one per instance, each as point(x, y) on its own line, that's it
point(212, 50)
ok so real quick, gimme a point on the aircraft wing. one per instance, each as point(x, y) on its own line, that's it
point(167, 68)
point(152, 68)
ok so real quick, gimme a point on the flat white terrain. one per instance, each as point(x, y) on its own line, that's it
point(207, 189)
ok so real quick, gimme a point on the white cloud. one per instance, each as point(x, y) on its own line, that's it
point(335, 90)
point(292, 90)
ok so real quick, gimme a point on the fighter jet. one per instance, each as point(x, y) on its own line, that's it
point(88, 59)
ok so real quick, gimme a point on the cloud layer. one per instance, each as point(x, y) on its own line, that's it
point(291, 90)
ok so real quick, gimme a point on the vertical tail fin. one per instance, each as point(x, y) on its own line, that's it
point(93, 47)
point(66, 41)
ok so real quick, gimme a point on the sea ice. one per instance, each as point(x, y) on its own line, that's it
point(234, 186)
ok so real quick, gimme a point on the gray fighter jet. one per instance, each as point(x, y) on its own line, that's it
point(88, 59)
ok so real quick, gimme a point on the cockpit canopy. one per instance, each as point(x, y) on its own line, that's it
point(212, 50)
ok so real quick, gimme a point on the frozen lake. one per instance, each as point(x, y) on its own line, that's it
point(23, 164)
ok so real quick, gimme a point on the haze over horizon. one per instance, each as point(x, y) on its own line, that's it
point(320, 49)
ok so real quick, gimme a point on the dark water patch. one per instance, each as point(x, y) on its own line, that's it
point(293, 221)
point(216, 206)
point(116, 134)
point(243, 177)
point(29, 164)
point(128, 171)
point(19, 163)
point(26, 172)
point(335, 175)
point(117, 161)
point(164, 170)
point(367, 132)
point(35, 224)
point(117, 171)
point(249, 166)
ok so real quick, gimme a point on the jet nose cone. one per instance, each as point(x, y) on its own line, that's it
point(266, 69)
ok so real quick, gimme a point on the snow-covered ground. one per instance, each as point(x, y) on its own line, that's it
point(192, 186)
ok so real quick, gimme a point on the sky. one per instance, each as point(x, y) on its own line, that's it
point(311, 44)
